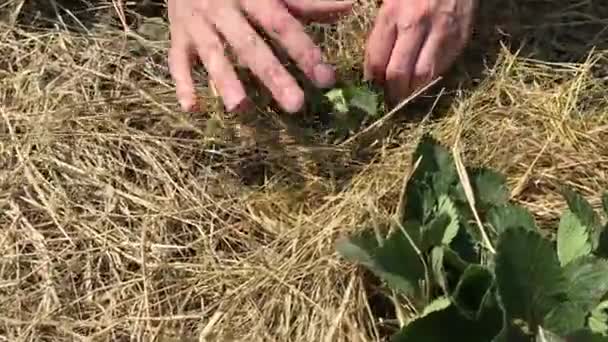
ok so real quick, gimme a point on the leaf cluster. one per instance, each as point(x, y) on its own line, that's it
point(348, 107)
point(529, 288)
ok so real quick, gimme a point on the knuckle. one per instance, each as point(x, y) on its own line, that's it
point(419, 15)
point(207, 47)
point(272, 72)
point(213, 45)
point(200, 11)
point(281, 24)
point(249, 45)
point(393, 73)
point(415, 20)
point(308, 57)
point(446, 22)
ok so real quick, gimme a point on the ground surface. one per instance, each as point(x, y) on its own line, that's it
point(123, 218)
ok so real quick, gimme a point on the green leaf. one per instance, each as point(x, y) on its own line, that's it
point(474, 285)
point(436, 166)
point(572, 238)
point(586, 335)
point(586, 284)
point(605, 202)
point(580, 207)
point(453, 259)
point(458, 194)
point(602, 249)
point(446, 206)
point(437, 255)
point(363, 98)
point(420, 202)
point(528, 273)
point(587, 281)
point(585, 213)
point(544, 335)
point(435, 157)
point(437, 304)
point(448, 325)
point(359, 248)
point(598, 320)
point(511, 333)
point(444, 226)
point(453, 268)
point(565, 318)
point(465, 245)
point(490, 188)
point(435, 230)
point(396, 261)
point(435, 175)
point(582, 335)
point(337, 98)
point(343, 99)
point(510, 216)
point(413, 229)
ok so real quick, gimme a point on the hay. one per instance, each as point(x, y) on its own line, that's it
point(122, 218)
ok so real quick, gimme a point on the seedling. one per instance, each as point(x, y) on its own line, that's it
point(346, 107)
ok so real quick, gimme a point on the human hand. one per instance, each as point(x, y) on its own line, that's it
point(199, 29)
point(414, 41)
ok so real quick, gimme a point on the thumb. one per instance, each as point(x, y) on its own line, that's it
point(319, 11)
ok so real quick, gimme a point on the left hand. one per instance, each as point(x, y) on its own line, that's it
point(414, 41)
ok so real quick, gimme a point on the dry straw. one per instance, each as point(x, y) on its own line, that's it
point(121, 219)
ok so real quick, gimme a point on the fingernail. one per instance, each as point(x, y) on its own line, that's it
point(293, 101)
point(244, 106)
point(232, 101)
point(325, 75)
point(231, 104)
point(186, 104)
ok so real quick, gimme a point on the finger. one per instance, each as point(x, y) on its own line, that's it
point(180, 67)
point(430, 62)
point(400, 69)
point(319, 11)
point(289, 32)
point(210, 50)
point(257, 56)
point(436, 55)
point(379, 46)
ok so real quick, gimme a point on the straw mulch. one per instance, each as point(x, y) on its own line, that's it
point(125, 219)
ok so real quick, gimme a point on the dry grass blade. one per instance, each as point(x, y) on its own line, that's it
point(347, 297)
point(388, 116)
point(468, 190)
point(124, 219)
point(207, 330)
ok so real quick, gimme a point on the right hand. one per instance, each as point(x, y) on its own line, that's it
point(196, 28)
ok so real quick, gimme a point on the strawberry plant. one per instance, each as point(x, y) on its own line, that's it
point(476, 267)
point(345, 108)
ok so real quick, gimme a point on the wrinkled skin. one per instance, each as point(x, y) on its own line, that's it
point(412, 42)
